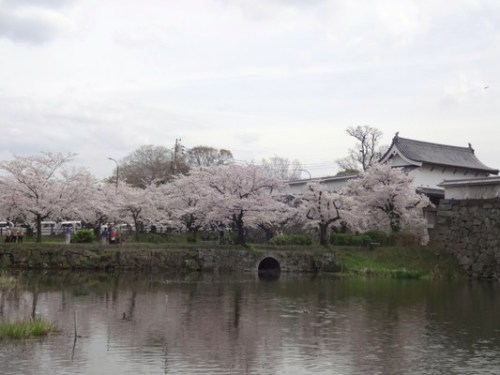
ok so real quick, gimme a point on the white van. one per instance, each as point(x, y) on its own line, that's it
point(121, 227)
point(63, 225)
point(48, 228)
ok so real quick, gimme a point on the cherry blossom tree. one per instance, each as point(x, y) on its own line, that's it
point(132, 204)
point(291, 220)
point(239, 196)
point(388, 200)
point(43, 186)
point(182, 201)
point(102, 205)
point(323, 209)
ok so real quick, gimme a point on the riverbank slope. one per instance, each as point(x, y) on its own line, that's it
point(411, 262)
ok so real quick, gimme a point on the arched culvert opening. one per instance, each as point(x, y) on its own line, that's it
point(269, 264)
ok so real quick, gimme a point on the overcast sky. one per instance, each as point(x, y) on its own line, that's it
point(257, 77)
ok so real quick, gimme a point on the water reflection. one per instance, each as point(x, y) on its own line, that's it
point(272, 275)
point(250, 324)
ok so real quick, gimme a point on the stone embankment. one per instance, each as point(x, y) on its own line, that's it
point(95, 257)
point(470, 230)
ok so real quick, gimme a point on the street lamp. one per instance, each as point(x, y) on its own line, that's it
point(116, 171)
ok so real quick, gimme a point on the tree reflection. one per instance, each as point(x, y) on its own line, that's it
point(244, 324)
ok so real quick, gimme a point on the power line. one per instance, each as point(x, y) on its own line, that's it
point(313, 169)
point(308, 165)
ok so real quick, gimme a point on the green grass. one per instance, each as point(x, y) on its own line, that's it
point(398, 262)
point(8, 282)
point(154, 238)
point(26, 329)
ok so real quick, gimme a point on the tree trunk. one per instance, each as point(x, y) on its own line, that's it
point(240, 227)
point(395, 221)
point(192, 227)
point(323, 235)
point(38, 228)
point(136, 227)
point(268, 231)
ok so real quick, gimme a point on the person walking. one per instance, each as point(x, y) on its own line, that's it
point(68, 231)
point(8, 234)
point(104, 235)
point(20, 235)
point(112, 235)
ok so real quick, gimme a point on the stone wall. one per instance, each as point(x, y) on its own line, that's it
point(95, 257)
point(470, 229)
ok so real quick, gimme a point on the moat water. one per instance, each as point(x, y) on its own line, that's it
point(243, 324)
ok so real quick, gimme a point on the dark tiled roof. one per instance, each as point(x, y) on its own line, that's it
point(433, 153)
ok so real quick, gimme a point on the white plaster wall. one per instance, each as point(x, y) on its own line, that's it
point(296, 189)
point(335, 185)
point(472, 192)
point(430, 177)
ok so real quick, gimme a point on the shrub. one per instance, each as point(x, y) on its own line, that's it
point(340, 239)
point(191, 238)
point(347, 239)
point(209, 235)
point(83, 236)
point(360, 240)
point(291, 239)
point(378, 236)
point(228, 239)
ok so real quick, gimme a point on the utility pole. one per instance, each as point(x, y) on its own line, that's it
point(116, 185)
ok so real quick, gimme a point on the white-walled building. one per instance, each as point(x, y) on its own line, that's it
point(434, 167)
point(431, 163)
point(472, 188)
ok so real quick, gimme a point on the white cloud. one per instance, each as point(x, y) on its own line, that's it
point(463, 87)
point(261, 78)
point(33, 22)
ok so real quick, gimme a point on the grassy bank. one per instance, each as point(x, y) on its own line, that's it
point(26, 329)
point(392, 261)
point(399, 262)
